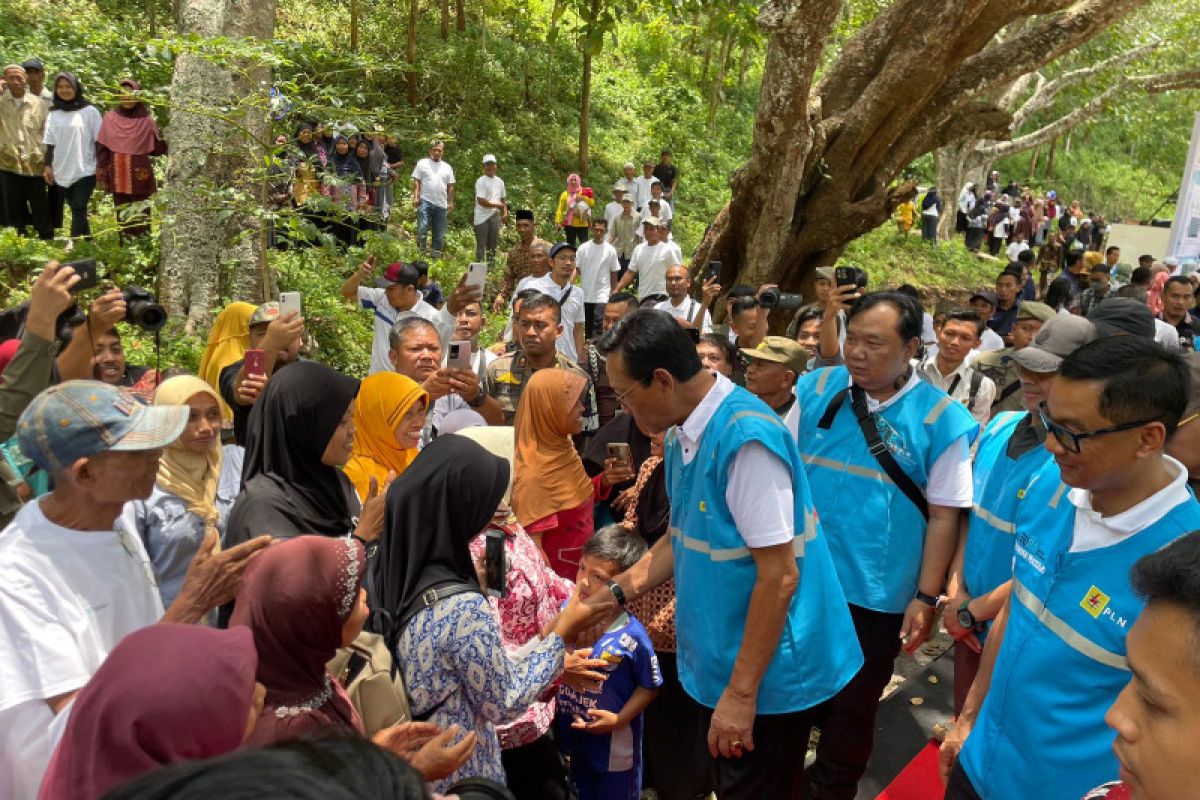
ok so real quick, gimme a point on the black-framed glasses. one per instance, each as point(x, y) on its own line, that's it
point(1073, 441)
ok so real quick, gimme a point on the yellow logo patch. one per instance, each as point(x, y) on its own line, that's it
point(703, 508)
point(1094, 602)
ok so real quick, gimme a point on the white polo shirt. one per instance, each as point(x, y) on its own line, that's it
point(651, 262)
point(596, 263)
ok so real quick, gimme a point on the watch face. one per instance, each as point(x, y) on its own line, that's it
point(965, 619)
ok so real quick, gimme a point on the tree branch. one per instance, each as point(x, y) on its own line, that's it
point(1171, 81)
point(1044, 96)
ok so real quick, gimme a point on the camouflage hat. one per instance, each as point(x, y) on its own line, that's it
point(264, 314)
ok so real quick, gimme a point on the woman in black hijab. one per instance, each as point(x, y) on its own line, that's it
point(428, 604)
point(344, 179)
point(300, 433)
point(70, 136)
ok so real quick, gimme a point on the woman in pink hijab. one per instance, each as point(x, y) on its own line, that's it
point(1154, 295)
point(166, 693)
point(128, 138)
point(574, 213)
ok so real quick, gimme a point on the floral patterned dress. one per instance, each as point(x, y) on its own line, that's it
point(533, 596)
point(455, 665)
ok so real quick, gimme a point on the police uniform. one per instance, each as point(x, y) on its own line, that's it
point(1041, 731)
point(505, 379)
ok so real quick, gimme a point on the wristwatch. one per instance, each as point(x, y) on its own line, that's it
point(966, 618)
point(927, 599)
point(617, 592)
point(477, 401)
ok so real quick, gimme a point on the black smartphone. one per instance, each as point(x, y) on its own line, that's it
point(850, 276)
point(495, 568)
point(85, 268)
point(712, 270)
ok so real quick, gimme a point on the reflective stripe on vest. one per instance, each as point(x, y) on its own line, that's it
point(852, 469)
point(993, 520)
point(1071, 637)
point(937, 410)
point(736, 553)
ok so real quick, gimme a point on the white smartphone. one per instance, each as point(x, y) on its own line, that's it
point(458, 355)
point(476, 274)
point(289, 302)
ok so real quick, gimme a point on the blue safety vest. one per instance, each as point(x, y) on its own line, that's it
point(818, 652)
point(1041, 730)
point(876, 534)
point(1000, 484)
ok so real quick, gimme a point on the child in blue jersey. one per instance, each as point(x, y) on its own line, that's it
point(601, 729)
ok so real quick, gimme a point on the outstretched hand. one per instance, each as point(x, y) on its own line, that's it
point(213, 576)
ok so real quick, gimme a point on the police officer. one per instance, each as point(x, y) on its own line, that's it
point(888, 459)
point(1033, 722)
point(763, 633)
point(1010, 452)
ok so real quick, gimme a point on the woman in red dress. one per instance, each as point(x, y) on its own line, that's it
point(128, 139)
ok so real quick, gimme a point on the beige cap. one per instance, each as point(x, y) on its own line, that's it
point(780, 350)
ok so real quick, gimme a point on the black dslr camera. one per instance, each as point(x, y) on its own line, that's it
point(773, 298)
point(143, 310)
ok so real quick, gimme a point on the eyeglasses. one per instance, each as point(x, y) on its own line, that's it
point(1072, 441)
point(1186, 420)
point(622, 395)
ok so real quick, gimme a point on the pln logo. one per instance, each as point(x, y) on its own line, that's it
point(1094, 602)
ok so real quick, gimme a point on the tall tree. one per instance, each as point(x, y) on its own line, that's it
point(826, 154)
point(213, 244)
point(1028, 98)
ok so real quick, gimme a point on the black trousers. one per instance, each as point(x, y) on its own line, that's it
point(775, 768)
point(76, 196)
point(593, 319)
point(959, 786)
point(25, 203)
point(847, 720)
point(535, 771)
point(575, 235)
point(675, 755)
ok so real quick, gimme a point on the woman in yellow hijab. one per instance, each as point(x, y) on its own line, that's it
point(389, 418)
point(172, 522)
point(227, 342)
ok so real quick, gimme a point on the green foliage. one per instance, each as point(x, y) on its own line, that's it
point(891, 260)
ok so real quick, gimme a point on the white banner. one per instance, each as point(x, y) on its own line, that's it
point(1184, 244)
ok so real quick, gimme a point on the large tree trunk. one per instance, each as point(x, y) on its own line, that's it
point(213, 246)
point(411, 83)
point(585, 110)
point(825, 158)
point(460, 15)
point(957, 165)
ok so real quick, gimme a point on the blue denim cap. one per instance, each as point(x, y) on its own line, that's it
point(77, 419)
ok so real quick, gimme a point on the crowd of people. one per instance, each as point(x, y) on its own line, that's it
point(630, 546)
point(56, 148)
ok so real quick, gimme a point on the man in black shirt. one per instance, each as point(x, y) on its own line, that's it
point(668, 175)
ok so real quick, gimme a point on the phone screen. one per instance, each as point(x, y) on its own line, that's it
point(620, 452)
point(494, 565)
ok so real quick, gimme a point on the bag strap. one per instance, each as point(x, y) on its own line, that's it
point(879, 450)
point(976, 382)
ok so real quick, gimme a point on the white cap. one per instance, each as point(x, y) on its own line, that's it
point(489, 159)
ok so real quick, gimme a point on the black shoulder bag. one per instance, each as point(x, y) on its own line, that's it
point(879, 450)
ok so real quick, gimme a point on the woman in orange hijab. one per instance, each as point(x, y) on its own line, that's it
point(389, 418)
point(552, 494)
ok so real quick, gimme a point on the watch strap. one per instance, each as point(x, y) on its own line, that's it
point(927, 599)
point(617, 592)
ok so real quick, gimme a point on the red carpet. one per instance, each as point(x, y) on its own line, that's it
point(919, 780)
